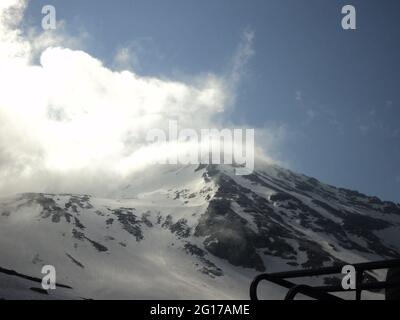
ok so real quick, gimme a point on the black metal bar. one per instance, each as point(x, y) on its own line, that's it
point(338, 269)
point(279, 279)
point(33, 279)
point(363, 286)
point(265, 276)
point(311, 292)
point(359, 280)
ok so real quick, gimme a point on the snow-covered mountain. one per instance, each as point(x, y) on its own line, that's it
point(189, 232)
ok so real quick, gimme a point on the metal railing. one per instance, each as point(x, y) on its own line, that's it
point(324, 292)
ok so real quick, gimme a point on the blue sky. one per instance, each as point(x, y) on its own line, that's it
point(332, 95)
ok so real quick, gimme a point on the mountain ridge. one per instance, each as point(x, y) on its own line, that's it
point(205, 231)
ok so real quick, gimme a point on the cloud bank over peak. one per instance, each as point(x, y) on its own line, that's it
point(68, 122)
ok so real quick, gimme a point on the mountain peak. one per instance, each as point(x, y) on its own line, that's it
point(203, 229)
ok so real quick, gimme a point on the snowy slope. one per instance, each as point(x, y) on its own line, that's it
point(193, 232)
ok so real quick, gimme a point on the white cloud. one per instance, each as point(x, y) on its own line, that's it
point(11, 43)
point(243, 54)
point(130, 56)
point(68, 122)
point(126, 58)
point(39, 40)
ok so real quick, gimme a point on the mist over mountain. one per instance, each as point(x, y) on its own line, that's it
point(79, 187)
point(190, 232)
